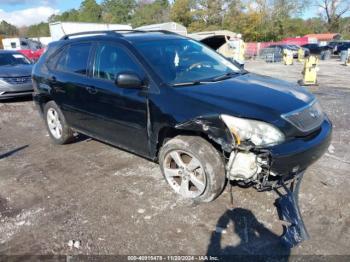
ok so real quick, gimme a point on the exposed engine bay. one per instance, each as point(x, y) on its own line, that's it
point(249, 165)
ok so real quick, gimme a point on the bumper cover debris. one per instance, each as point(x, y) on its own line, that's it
point(288, 211)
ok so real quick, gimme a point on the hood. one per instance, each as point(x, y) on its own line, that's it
point(16, 70)
point(250, 96)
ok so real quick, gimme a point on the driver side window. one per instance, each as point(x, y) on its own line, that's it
point(111, 60)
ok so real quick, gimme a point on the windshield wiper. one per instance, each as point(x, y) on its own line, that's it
point(210, 80)
point(188, 83)
point(224, 77)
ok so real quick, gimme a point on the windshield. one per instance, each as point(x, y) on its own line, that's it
point(13, 59)
point(182, 60)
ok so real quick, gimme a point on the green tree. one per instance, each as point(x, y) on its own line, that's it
point(38, 30)
point(281, 13)
point(154, 12)
point(90, 11)
point(6, 29)
point(333, 11)
point(214, 12)
point(181, 11)
point(345, 27)
point(71, 15)
point(118, 11)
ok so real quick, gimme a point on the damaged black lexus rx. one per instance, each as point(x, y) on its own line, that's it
point(174, 100)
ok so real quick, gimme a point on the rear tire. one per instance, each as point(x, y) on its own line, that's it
point(193, 168)
point(56, 124)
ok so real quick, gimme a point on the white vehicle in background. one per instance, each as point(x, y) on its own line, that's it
point(171, 26)
point(44, 40)
point(60, 29)
point(20, 43)
point(227, 43)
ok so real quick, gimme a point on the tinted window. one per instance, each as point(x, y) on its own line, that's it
point(75, 58)
point(61, 60)
point(24, 44)
point(13, 59)
point(110, 60)
point(53, 60)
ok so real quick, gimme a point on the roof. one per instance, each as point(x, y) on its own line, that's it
point(129, 35)
point(324, 37)
point(149, 36)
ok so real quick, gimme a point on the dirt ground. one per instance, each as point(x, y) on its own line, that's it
point(114, 202)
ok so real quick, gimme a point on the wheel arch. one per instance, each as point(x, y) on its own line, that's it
point(41, 100)
point(210, 128)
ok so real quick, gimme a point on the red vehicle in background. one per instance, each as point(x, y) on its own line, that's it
point(33, 55)
point(28, 47)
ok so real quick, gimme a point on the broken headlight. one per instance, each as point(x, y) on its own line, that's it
point(258, 132)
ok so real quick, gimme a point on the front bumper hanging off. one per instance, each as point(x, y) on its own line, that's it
point(288, 210)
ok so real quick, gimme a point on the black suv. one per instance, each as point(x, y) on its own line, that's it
point(173, 100)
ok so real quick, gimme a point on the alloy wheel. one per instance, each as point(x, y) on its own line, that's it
point(185, 173)
point(54, 123)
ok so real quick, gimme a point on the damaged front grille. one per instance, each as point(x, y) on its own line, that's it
point(307, 118)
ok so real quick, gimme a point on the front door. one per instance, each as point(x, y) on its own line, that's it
point(119, 114)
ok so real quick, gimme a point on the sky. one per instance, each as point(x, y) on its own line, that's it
point(29, 12)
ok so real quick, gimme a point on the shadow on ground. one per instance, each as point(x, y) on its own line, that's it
point(12, 152)
point(17, 99)
point(255, 240)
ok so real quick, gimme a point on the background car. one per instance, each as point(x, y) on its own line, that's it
point(336, 44)
point(271, 54)
point(297, 47)
point(342, 47)
point(15, 75)
point(288, 47)
point(33, 55)
point(316, 49)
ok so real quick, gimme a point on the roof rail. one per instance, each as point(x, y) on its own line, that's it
point(146, 31)
point(115, 32)
point(129, 30)
point(162, 31)
point(107, 32)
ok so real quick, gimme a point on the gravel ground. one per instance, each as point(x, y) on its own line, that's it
point(114, 202)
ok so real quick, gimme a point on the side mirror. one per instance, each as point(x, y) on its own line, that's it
point(128, 80)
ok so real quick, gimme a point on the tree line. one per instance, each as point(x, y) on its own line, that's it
point(259, 20)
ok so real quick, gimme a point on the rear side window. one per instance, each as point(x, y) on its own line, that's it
point(53, 60)
point(75, 59)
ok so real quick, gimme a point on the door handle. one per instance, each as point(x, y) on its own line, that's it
point(92, 90)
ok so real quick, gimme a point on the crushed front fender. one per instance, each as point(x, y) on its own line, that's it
point(213, 127)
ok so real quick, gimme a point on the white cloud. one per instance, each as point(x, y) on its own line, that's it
point(29, 16)
point(21, 2)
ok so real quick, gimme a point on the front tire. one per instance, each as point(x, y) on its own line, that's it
point(56, 124)
point(193, 168)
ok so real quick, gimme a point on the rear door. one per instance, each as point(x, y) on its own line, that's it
point(119, 114)
point(69, 81)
